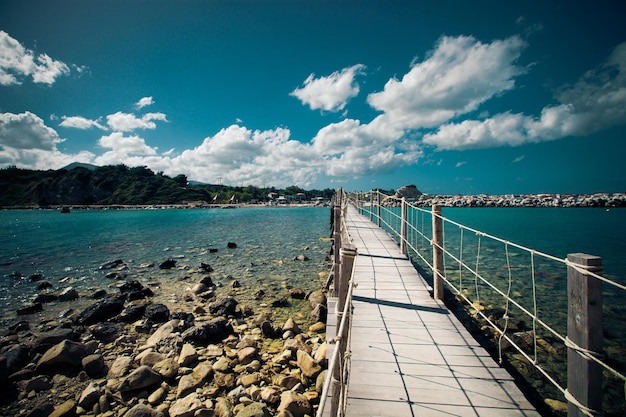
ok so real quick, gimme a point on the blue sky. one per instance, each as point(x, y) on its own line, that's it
point(453, 96)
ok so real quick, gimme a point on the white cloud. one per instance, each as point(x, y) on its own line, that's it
point(143, 102)
point(126, 145)
point(26, 131)
point(330, 93)
point(239, 155)
point(26, 141)
point(460, 164)
point(519, 159)
point(17, 63)
point(79, 122)
point(458, 76)
point(126, 122)
point(596, 102)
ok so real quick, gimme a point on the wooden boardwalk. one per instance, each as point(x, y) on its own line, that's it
point(410, 356)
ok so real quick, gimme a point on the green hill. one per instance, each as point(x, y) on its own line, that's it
point(79, 184)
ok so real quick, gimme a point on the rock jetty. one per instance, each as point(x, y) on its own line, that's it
point(127, 355)
point(513, 200)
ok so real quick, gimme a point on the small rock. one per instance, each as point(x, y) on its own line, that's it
point(159, 395)
point(89, 397)
point(317, 297)
point(291, 325)
point(223, 408)
point(120, 367)
point(188, 355)
point(281, 302)
point(141, 410)
point(254, 410)
point(68, 294)
point(231, 245)
point(307, 364)
point(150, 358)
point(39, 383)
point(93, 364)
point(296, 404)
point(221, 365)
point(270, 395)
point(223, 307)
point(30, 309)
point(67, 409)
point(141, 377)
point(188, 383)
point(168, 264)
point(297, 293)
point(168, 368)
point(185, 407)
point(247, 355)
point(111, 264)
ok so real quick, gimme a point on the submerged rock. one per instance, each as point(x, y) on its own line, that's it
point(101, 311)
point(211, 332)
point(168, 264)
point(223, 307)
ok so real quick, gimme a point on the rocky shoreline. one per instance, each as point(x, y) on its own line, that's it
point(128, 354)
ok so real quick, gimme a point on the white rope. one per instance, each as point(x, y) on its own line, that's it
point(506, 308)
point(461, 263)
point(476, 270)
point(535, 312)
point(584, 409)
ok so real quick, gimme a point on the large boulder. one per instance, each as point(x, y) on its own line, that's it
point(225, 306)
point(48, 339)
point(141, 377)
point(211, 332)
point(101, 311)
point(62, 355)
point(410, 192)
point(188, 383)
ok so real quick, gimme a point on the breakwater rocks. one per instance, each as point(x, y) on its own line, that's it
point(127, 355)
point(515, 200)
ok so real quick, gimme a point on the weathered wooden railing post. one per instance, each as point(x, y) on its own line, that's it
point(348, 253)
point(336, 238)
point(437, 252)
point(584, 332)
point(378, 208)
point(403, 226)
point(371, 205)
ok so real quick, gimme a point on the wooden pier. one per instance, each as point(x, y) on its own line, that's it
point(409, 355)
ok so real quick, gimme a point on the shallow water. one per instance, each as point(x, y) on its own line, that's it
point(68, 249)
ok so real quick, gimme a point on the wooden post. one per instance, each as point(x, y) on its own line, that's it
point(437, 252)
point(378, 208)
point(336, 241)
point(371, 205)
point(584, 329)
point(347, 255)
point(403, 226)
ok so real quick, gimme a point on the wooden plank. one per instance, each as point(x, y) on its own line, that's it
point(409, 354)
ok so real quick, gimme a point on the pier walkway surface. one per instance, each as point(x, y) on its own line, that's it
point(410, 356)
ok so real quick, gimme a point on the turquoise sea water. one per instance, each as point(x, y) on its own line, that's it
point(67, 249)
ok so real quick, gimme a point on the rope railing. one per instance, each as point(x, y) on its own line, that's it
point(334, 390)
point(407, 224)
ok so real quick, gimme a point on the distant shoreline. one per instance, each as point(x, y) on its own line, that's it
point(597, 200)
point(159, 206)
